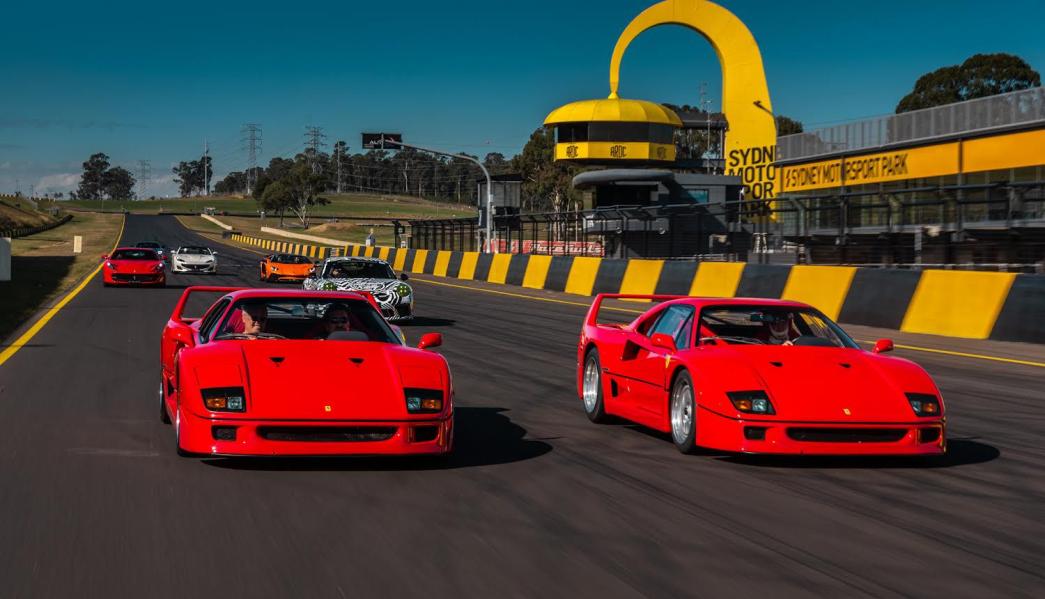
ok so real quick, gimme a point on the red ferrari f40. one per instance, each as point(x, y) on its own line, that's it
point(756, 376)
point(291, 372)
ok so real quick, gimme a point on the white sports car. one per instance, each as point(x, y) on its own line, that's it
point(395, 297)
point(194, 258)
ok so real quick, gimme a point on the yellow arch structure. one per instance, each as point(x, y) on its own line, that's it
point(751, 139)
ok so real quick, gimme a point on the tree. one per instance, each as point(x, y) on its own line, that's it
point(118, 183)
point(276, 198)
point(546, 183)
point(234, 182)
point(194, 175)
point(787, 126)
point(496, 163)
point(979, 76)
point(92, 181)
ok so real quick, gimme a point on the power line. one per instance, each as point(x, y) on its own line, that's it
point(144, 174)
point(313, 143)
point(252, 137)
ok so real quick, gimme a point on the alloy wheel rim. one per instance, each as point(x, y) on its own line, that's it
point(591, 385)
point(681, 411)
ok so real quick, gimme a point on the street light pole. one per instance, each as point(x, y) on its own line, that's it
point(486, 173)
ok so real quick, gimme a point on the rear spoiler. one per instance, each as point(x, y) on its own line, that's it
point(593, 312)
point(180, 306)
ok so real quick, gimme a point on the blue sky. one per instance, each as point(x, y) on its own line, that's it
point(152, 80)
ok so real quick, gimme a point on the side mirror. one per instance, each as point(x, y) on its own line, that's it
point(403, 276)
point(430, 340)
point(183, 335)
point(882, 346)
point(663, 341)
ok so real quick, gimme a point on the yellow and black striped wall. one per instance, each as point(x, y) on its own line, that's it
point(968, 304)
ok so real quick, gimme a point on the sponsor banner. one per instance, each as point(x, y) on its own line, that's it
point(915, 163)
point(557, 248)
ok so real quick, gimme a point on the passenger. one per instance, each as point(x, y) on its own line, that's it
point(255, 318)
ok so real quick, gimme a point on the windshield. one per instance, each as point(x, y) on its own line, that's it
point(148, 244)
point(769, 325)
point(306, 318)
point(194, 250)
point(358, 269)
point(138, 254)
point(290, 259)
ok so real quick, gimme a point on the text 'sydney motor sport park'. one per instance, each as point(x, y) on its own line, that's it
point(663, 351)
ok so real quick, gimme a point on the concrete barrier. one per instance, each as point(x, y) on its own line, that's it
point(216, 221)
point(301, 236)
point(953, 303)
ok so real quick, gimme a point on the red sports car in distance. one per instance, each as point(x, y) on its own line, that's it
point(756, 376)
point(133, 266)
point(291, 372)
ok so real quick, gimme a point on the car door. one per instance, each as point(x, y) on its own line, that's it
point(651, 368)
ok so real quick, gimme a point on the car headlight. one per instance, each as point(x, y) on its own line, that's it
point(404, 290)
point(924, 404)
point(111, 265)
point(275, 269)
point(423, 401)
point(751, 402)
point(159, 267)
point(224, 399)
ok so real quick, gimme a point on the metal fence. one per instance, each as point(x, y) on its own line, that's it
point(995, 112)
point(986, 226)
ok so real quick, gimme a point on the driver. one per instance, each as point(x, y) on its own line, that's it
point(336, 319)
point(255, 317)
point(780, 330)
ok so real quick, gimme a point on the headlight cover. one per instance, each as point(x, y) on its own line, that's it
point(423, 401)
point(751, 402)
point(403, 289)
point(224, 399)
point(924, 404)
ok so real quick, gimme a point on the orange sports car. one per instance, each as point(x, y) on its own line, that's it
point(285, 267)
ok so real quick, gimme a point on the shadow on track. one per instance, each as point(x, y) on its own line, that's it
point(482, 437)
point(427, 321)
point(960, 452)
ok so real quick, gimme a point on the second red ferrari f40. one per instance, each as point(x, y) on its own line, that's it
point(294, 372)
point(756, 376)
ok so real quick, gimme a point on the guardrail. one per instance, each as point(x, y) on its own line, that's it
point(967, 304)
point(26, 231)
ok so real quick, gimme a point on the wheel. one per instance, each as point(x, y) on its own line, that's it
point(592, 388)
point(683, 413)
point(164, 416)
point(177, 436)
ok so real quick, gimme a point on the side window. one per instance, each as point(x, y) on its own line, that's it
point(211, 318)
point(676, 321)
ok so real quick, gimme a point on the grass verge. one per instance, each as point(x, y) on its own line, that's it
point(43, 266)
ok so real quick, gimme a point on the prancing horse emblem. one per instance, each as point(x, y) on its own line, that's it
point(846, 412)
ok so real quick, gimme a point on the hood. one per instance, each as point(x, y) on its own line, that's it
point(194, 258)
point(136, 267)
point(363, 284)
point(827, 384)
point(320, 379)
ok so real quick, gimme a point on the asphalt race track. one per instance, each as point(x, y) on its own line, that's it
point(536, 501)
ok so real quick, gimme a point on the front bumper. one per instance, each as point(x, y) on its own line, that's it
point(314, 438)
point(117, 278)
point(203, 268)
point(714, 431)
point(397, 312)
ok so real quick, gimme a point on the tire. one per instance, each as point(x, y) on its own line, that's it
point(591, 388)
point(683, 411)
point(164, 416)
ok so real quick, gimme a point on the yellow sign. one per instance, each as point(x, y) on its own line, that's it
point(915, 163)
point(751, 139)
